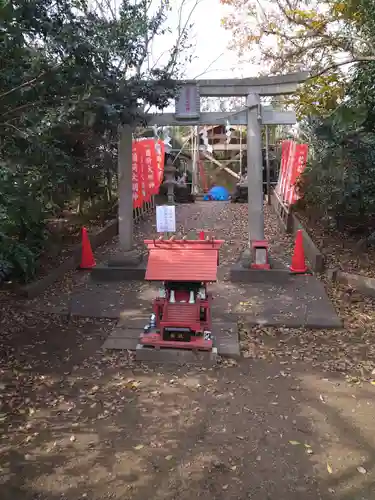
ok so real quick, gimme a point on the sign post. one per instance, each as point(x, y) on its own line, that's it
point(166, 218)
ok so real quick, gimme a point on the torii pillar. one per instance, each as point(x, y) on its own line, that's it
point(127, 263)
point(254, 169)
point(125, 192)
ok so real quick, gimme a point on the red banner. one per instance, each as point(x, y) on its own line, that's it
point(148, 169)
point(151, 167)
point(293, 163)
point(285, 148)
point(299, 164)
point(136, 177)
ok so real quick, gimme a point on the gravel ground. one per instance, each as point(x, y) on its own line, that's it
point(76, 423)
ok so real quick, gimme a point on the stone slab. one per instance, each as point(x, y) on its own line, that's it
point(245, 261)
point(299, 302)
point(130, 302)
point(131, 329)
point(132, 258)
point(175, 356)
point(103, 273)
point(125, 335)
point(118, 343)
point(363, 284)
point(226, 339)
point(240, 274)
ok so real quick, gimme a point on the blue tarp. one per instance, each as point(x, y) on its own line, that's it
point(217, 193)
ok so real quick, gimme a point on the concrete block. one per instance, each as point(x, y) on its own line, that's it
point(175, 356)
point(226, 339)
point(240, 274)
point(362, 284)
point(117, 343)
point(126, 259)
point(104, 273)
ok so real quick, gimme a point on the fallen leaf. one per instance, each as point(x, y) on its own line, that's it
point(225, 487)
point(294, 443)
point(372, 382)
point(361, 470)
point(169, 457)
point(139, 447)
point(307, 445)
point(329, 469)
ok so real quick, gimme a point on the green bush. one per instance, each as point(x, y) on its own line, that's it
point(22, 226)
point(339, 181)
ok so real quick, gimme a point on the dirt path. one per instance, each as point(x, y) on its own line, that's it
point(77, 424)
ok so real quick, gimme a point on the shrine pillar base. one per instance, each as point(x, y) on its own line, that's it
point(126, 258)
point(123, 266)
point(104, 273)
point(244, 272)
point(176, 356)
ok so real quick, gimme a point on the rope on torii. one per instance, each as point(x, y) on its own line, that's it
point(228, 131)
point(207, 146)
point(167, 138)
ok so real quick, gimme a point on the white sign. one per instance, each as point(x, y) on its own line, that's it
point(166, 219)
point(188, 102)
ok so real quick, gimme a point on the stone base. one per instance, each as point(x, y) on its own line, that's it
point(242, 272)
point(226, 339)
point(104, 273)
point(175, 356)
point(124, 266)
point(131, 258)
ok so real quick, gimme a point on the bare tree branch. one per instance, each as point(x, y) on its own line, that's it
point(29, 83)
point(209, 66)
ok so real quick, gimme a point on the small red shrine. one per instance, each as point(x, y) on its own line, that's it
point(182, 311)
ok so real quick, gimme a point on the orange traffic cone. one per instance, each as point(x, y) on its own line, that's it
point(201, 235)
point(87, 257)
point(298, 259)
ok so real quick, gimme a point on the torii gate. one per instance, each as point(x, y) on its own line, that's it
point(187, 112)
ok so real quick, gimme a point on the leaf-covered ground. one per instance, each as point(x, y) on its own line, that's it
point(346, 251)
point(282, 423)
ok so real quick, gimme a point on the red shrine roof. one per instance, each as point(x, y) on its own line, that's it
point(182, 260)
